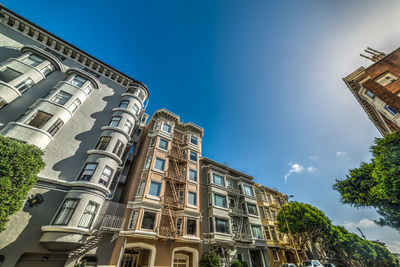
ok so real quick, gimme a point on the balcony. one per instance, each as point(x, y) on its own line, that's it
point(170, 201)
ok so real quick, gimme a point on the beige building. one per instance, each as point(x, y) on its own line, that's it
point(280, 248)
point(163, 197)
point(231, 222)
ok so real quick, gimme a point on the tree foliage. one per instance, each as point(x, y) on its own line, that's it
point(310, 226)
point(19, 165)
point(210, 259)
point(377, 183)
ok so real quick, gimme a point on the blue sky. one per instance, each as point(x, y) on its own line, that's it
point(264, 79)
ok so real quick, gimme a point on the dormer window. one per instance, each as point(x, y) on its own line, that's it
point(33, 60)
point(78, 81)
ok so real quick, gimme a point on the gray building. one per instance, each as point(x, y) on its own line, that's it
point(87, 117)
point(231, 224)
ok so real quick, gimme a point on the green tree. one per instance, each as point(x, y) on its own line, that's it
point(377, 183)
point(238, 263)
point(19, 165)
point(307, 224)
point(210, 259)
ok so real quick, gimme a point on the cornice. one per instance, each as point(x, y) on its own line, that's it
point(64, 49)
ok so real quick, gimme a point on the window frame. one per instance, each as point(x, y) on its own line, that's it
point(213, 180)
point(55, 127)
point(34, 116)
point(165, 141)
point(215, 195)
point(195, 198)
point(187, 226)
point(154, 220)
point(113, 121)
point(81, 174)
point(216, 219)
point(91, 213)
point(118, 148)
point(170, 127)
point(103, 143)
point(191, 171)
point(103, 174)
point(61, 208)
point(163, 164)
point(158, 190)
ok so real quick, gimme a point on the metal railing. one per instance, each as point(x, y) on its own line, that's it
point(110, 222)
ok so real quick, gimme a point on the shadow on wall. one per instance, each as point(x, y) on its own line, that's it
point(18, 107)
point(30, 232)
point(70, 167)
point(7, 52)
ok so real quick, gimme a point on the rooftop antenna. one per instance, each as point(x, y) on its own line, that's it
point(375, 55)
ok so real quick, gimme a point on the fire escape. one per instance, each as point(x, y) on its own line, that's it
point(174, 196)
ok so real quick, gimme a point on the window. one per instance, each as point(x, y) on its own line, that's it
point(248, 190)
point(78, 81)
point(386, 78)
point(267, 213)
point(230, 185)
point(263, 195)
point(179, 226)
point(148, 221)
point(275, 255)
point(74, 105)
point(141, 188)
point(147, 163)
point(55, 127)
point(2, 103)
point(192, 198)
point(124, 104)
point(128, 126)
point(106, 175)
point(262, 215)
point(192, 175)
point(257, 233)
point(9, 74)
point(159, 164)
point(47, 70)
point(370, 94)
point(252, 209)
point(193, 156)
point(269, 199)
point(218, 179)
point(103, 143)
point(194, 140)
point(273, 214)
point(25, 85)
point(135, 109)
point(391, 110)
point(39, 119)
point(191, 227)
point(88, 215)
point(220, 201)
point(114, 121)
point(132, 222)
point(118, 148)
point(152, 142)
point(221, 225)
point(88, 171)
point(66, 212)
point(141, 95)
point(231, 203)
point(163, 144)
point(267, 233)
point(88, 89)
point(181, 197)
point(166, 127)
point(61, 97)
point(154, 189)
point(33, 60)
point(273, 233)
point(156, 126)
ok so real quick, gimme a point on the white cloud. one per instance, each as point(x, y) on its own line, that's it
point(311, 169)
point(363, 223)
point(341, 153)
point(313, 157)
point(393, 246)
point(294, 168)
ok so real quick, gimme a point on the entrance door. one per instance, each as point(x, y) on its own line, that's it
point(181, 260)
point(130, 260)
point(255, 257)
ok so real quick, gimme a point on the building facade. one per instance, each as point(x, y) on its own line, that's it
point(163, 197)
point(280, 247)
point(84, 115)
point(231, 222)
point(377, 89)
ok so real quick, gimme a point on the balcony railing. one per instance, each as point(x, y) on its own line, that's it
point(110, 222)
point(111, 216)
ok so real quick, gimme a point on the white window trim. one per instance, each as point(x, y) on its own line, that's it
point(162, 127)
